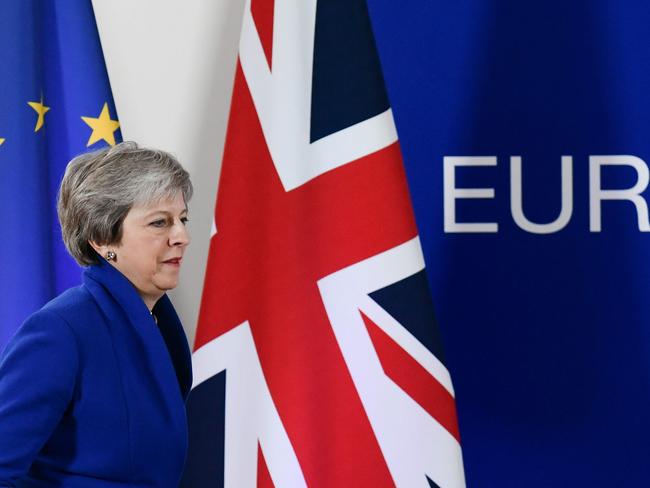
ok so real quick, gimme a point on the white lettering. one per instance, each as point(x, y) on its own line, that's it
point(516, 197)
point(597, 194)
point(451, 193)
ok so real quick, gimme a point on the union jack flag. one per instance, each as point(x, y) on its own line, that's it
point(317, 361)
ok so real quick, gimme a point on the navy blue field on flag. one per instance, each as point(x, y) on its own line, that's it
point(55, 103)
point(409, 301)
point(347, 84)
point(205, 459)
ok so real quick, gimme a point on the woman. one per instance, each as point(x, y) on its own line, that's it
point(92, 386)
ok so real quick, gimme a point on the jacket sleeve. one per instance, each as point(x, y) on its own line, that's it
point(38, 371)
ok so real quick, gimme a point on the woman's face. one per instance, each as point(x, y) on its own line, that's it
point(154, 239)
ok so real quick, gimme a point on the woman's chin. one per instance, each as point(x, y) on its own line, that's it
point(168, 283)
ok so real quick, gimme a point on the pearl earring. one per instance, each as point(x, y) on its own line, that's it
point(110, 256)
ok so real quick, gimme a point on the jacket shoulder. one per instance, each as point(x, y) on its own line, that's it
point(73, 306)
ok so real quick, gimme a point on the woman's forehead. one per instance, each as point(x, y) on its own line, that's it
point(174, 205)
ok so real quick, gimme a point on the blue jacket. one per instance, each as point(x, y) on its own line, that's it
point(92, 391)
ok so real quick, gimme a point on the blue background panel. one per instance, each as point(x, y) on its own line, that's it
point(547, 337)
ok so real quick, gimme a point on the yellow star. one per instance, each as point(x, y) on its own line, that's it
point(2, 141)
point(103, 127)
point(41, 110)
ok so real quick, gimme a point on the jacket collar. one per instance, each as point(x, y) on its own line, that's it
point(169, 327)
point(118, 286)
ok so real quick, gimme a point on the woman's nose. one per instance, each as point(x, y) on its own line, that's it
point(179, 235)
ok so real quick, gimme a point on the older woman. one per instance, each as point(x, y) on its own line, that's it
point(92, 386)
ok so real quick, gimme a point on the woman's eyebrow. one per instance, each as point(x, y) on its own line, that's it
point(166, 212)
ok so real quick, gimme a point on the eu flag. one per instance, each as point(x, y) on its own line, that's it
point(55, 102)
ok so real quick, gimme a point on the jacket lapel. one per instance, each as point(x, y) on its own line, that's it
point(174, 336)
point(153, 348)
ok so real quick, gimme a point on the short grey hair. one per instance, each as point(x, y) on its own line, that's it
point(100, 187)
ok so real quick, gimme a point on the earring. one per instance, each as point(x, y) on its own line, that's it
point(110, 256)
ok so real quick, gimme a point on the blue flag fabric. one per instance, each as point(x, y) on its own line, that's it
point(55, 102)
point(546, 328)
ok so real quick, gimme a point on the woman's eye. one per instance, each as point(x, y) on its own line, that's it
point(184, 220)
point(158, 223)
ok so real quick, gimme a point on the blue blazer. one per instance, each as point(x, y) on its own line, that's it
point(92, 391)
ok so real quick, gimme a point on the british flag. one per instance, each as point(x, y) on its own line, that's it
point(317, 361)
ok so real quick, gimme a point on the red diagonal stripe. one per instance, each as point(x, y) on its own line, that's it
point(407, 373)
point(262, 13)
point(263, 476)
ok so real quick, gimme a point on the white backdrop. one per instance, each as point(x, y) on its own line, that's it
point(171, 66)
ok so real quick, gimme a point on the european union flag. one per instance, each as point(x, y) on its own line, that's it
point(55, 102)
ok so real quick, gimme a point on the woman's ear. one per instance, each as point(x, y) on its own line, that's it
point(107, 251)
point(101, 250)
